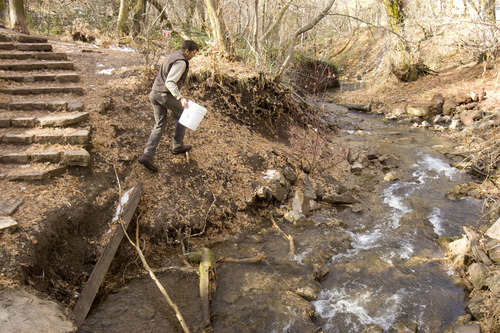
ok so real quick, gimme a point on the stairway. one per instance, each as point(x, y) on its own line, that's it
point(43, 123)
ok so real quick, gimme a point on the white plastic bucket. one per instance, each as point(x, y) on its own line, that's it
point(192, 116)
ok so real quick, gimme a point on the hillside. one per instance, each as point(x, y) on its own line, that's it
point(208, 197)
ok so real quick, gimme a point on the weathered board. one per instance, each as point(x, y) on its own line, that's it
point(126, 207)
point(7, 222)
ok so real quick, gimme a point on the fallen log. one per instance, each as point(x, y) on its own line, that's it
point(358, 107)
point(126, 209)
point(208, 278)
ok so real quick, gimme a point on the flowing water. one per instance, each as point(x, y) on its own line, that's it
point(384, 261)
point(387, 276)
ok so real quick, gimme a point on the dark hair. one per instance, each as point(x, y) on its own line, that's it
point(190, 45)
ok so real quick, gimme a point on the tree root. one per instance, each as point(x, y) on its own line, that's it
point(253, 260)
point(287, 237)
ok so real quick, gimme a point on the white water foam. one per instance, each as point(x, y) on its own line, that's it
point(353, 306)
point(396, 202)
point(437, 221)
point(301, 256)
point(430, 163)
point(360, 242)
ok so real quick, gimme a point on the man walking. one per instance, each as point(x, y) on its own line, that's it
point(166, 94)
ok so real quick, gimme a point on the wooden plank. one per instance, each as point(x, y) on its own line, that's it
point(7, 222)
point(127, 206)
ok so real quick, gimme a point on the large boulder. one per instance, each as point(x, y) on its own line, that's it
point(418, 110)
point(449, 105)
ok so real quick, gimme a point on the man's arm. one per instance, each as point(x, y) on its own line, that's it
point(173, 76)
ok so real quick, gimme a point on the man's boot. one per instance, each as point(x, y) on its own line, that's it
point(148, 162)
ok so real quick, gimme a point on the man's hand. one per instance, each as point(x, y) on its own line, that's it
point(184, 103)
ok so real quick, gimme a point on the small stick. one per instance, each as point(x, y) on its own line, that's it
point(136, 245)
point(253, 260)
point(288, 237)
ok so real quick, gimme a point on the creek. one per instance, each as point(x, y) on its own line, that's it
point(388, 275)
point(385, 266)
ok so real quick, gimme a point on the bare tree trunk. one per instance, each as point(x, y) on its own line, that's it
point(488, 10)
point(18, 16)
point(291, 47)
point(138, 16)
point(218, 26)
point(395, 12)
point(277, 22)
point(485, 9)
point(3, 11)
point(256, 40)
point(122, 24)
point(159, 7)
point(191, 7)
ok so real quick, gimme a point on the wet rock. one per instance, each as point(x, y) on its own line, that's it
point(340, 199)
point(404, 327)
point(303, 311)
point(320, 270)
point(308, 293)
point(352, 156)
point(389, 161)
point(295, 217)
point(372, 328)
point(476, 274)
point(357, 209)
point(444, 242)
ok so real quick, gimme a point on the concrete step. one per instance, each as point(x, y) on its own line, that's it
point(39, 90)
point(37, 66)
point(38, 47)
point(69, 77)
point(33, 55)
point(64, 156)
point(12, 36)
point(53, 105)
point(66, 136)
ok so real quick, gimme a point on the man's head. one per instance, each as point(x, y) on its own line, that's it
point(190, 48)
